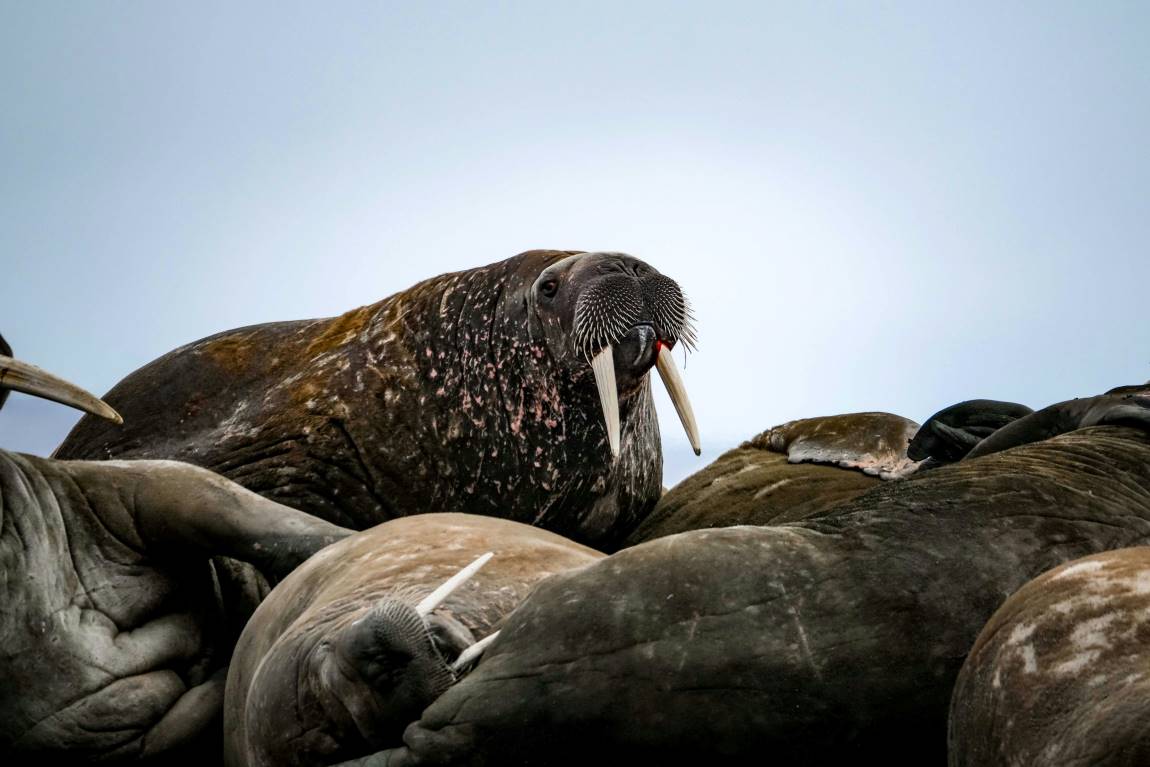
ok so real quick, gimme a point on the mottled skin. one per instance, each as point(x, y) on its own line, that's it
point(1124, 405)
point(832, 640)
point(951, 433)
point(785, 474)
point(117, 624)
point(335, 662)
point(1060, 676)
point(461, 394)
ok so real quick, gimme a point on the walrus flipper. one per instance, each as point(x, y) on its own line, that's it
point(874, 443)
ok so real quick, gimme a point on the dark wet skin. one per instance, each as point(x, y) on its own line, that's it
point(463, 393)
point(951, 433)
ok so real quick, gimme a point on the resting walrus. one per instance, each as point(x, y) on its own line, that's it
point(350, 647)
point(835, 638)
point(785, 474)
point(505, 390)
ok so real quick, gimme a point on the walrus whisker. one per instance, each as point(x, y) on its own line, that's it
point(473, 652)
point(604, 367)
point(678, 393)
point(23, 377)
point(435, 598)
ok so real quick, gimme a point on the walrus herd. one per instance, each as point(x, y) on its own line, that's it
point(432, 531)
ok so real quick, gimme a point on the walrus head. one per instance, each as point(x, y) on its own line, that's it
point(371, 676)
point(622, 317)
point(29, 379)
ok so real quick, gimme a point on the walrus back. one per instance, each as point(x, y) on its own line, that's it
point(189, 391)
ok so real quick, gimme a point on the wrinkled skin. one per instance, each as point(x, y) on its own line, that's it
point(951, 433)
point(336, 661)
point(1060, 676)
point(117, 624)
point(464, 393)
point(785, 474)
point(832, 640)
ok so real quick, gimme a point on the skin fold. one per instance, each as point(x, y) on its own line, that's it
point(124, 586)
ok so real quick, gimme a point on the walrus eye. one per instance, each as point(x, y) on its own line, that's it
point(549, 288)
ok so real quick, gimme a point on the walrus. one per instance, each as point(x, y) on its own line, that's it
point(951, 433)
point(348, 649)
point(785, 474)
point(1128, 405)
point(831, 639)
point(517, 390)
point(1061, 673)
point(124, 587)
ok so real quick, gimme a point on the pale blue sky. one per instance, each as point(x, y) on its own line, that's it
point(887, 206)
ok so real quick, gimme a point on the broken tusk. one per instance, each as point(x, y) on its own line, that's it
point(603, 365)
point(435, 598)
point(473, 652)
point(22, 377)
point(678, 392)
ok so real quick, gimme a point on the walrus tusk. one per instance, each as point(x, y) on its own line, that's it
point(604, 366)
point(22, 377)
point(435, 598)
point(678, 392)
point(473, 652)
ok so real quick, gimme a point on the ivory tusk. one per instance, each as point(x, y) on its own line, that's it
point(603, 365)
point(473, 652)
point(678, 393)
point(23, 377)
point(435, 598)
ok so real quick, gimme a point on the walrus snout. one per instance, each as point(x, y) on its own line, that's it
point(634, 355)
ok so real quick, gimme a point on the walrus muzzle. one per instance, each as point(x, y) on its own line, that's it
point(633, 321)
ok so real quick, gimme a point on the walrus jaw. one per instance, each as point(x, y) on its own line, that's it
point(603, 365)
point(22, 377)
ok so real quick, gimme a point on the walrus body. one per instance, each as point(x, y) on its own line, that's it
point(1061, 673)
point(835, 638)
point(123, 588)
point(334, 663)
point(785, 474)
point(117, 625)
point(470, 392)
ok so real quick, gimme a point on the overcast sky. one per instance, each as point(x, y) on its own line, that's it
point(872, 206)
